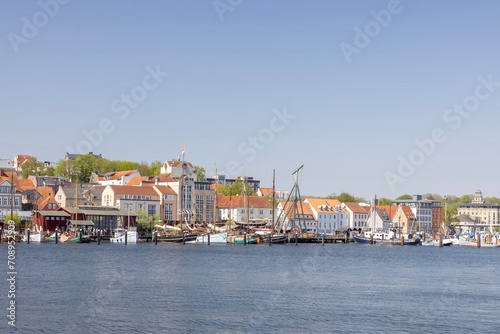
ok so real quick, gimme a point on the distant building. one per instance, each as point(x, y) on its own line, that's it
point(427, 212)
point(358, 215)
point(121, 178)
point(479, 211)
point(6, 164)
point(328, 213)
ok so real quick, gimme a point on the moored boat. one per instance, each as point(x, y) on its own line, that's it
point(119, 236)
point(215, 238)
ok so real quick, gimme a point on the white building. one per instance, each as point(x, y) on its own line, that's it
point(329, 214)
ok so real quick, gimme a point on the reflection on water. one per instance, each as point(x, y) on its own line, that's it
point(255, 288)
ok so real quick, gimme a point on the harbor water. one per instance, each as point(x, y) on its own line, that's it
point(309, 288)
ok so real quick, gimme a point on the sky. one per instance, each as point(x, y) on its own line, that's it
point(372, 97)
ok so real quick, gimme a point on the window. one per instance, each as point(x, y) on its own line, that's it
point(199, 207)
point(151, 210)
point(169, 211)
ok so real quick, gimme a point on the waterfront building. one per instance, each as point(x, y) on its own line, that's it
point(102, 217)
point(10, 194)
point(67, 195)
point(479, 211)
point(328, 213)
point(48, 214)
point(404, 220)
point(358, 215)
point(424, 210)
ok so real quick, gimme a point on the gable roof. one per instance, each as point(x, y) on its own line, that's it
point(356, 208)
point(165, 190)
point(26, 184)
point(323, 205)
point(133, 190)
point(389, 209)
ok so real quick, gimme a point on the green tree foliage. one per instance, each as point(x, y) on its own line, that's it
point(492, 200)
point(144, 169)
point(404, 197)
point(155, 168)
point(236, 188)
point(384, 201)
point(464, 199)
point(450, 205)
point(65, 168)
point(32, 167)
point(270, 199)
point(200, 174)
point(345, 197)
point(85, 165)
point(15, 217)
point(145, 222)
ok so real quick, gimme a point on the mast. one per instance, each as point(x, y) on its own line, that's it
point(272, 225)
point(181, 190)
point(76, 203)
point(215, 198)
point(12, 196)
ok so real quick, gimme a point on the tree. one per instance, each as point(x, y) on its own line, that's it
point(345, 197)
point(236, 188)
point(143, 169)
point(84, 166)
point(144, 222)
point(15, 217)
point(404, 197)
point(32, 167)
point(200, 174)
point(465, 199)
point(155, 168)
point(65, 168)
point(384, 201)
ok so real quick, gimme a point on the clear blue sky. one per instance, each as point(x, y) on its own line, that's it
point(350, 124)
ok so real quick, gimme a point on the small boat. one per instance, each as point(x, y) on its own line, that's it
point(446, 242)
point(34, 237)
point(361, 239)
point(119, 236)
point(178, 238)
point(241, 240)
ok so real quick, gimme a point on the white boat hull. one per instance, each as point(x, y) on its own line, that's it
point(131, 238)
point(216, 238)
point(473, 243)
point(35, 237)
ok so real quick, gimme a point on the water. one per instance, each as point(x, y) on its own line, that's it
point(335, 288)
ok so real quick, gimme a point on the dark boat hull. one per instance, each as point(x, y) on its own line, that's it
point(179, 238)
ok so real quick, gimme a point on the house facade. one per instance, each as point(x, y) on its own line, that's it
point(358, 215)
point(329, 214)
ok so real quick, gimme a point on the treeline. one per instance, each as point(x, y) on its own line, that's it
point(84, 165)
